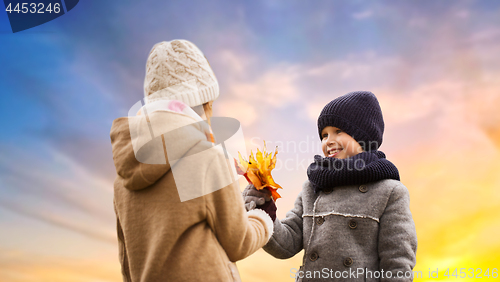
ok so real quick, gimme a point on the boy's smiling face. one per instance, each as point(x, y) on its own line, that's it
point(337, 144)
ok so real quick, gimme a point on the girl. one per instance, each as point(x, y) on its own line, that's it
point(168, 228)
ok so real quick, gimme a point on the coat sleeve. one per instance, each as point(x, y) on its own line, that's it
point(287, 237)
point(239, 232)
point(397, 245)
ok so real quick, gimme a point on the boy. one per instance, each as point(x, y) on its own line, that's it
point(352, 217)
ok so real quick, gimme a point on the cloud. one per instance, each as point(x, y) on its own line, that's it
point(363, 15)
point(488, 35)
point(61, 221)
point(427, 99)
point(481, 107)
point(242, 111)
point(313, 109)
point(233, 63)
point(246, 78)
point(354, 71)
point(463, 14)
point(418, 22)
point(249, 89)
point(57, 190)
point(274, 88)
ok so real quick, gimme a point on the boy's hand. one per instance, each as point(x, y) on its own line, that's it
point(254, 197)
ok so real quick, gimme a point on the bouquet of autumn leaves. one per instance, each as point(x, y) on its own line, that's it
point(257, 170)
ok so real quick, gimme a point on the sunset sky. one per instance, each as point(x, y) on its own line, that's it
point(434, 66)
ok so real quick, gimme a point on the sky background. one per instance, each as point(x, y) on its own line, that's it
point(434, 66)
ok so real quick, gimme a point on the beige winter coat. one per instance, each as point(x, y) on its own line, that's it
point(163, 239)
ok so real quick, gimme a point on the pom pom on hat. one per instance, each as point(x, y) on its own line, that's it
point(359, 115)
point(178, 70)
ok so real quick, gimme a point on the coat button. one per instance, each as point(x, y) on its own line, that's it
point(363, 188)
point(328, 190)
point(320, 220)
point(353, 224)
point(313, 256)
point(348, 261)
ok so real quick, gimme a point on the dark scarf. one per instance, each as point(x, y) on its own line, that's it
point(326, 173)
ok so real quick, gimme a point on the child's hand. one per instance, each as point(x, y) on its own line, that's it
point(260, 199)
point(254, 197)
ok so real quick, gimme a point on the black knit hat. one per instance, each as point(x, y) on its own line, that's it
point(357, 114)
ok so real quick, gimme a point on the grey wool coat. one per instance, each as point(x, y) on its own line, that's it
point(349, 233)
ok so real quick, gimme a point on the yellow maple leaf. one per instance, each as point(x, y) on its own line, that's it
point(257, 170)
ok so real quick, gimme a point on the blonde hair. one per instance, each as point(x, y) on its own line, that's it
point(207, 107)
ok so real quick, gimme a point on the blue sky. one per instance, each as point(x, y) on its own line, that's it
point(277, 62)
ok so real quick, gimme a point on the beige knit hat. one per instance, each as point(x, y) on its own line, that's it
point(178, 70)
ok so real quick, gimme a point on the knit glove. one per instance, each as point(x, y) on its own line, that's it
point(260, 199)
